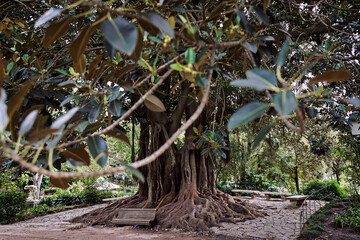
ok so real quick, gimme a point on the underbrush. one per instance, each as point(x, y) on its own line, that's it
point(324, 190)
point(251, 182)
point(313, 228)
point(76, 198)
point(350, 218)
point(12, 203)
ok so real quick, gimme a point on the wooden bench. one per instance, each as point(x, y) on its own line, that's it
point(297, 200)
point(252, 193)
point(134, 216)
point(113, 199)
point(283, 195)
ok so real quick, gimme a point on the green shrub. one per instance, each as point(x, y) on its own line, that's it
point(325, 190)
point(12, 203)
point(251, 182)
point(76, 198)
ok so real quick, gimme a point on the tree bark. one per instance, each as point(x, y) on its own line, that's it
point(37, 182)
point(180, 184)
point(296, 178)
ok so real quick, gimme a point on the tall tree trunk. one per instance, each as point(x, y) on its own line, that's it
point(296, 178)
point(180, 184)
point(37, 182)
point(337, 174)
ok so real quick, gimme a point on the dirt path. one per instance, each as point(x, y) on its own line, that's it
point(278, 225)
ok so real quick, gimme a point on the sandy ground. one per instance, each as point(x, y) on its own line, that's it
point(278, 224)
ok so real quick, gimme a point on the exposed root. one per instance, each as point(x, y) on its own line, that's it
point(189, 211)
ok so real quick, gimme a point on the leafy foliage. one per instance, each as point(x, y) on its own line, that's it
point(251, 182)
point(12, 203)
point(350, 218)
point(325, 190)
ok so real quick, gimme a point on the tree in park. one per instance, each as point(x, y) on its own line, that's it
point(85, 67)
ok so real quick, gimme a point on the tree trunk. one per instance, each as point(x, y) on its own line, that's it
point(180, 184)
point(296, 178)
point(37, 182)
point(337, 174)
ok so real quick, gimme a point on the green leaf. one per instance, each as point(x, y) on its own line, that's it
point(115, 108)
point(9, 67)
point(4, 119)
point(247, 113)
point(260, 14)
point(283, 53)
point(262, 75)
point(160, 23)
point(97, 146)
point(261, 135)
point(258, 79)
point(47, 16)
point(285, 102)
point(190, 56)
point(27, 123)
point(201, 81)
point(67, 100)
point(94, 113)
point(245, 24)
point(120, 34)
point(64, 118)
point(311, 112)
point(111, 51)
point(155, 39)
point(133, 170)
point(251, 47)
point(62, 71)
point(82, 126)
point(177, 67)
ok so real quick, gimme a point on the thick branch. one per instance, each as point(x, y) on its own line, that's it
point(179, 110)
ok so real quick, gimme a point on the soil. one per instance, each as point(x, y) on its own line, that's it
point(335, 233)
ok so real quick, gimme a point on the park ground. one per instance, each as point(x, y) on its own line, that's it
point(281, 222)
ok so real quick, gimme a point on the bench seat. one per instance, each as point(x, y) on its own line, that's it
point(297, 200)
point(283, 195)
point(134, 216)
point(252, 193)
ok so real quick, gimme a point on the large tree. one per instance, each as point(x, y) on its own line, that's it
point(86, 66)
